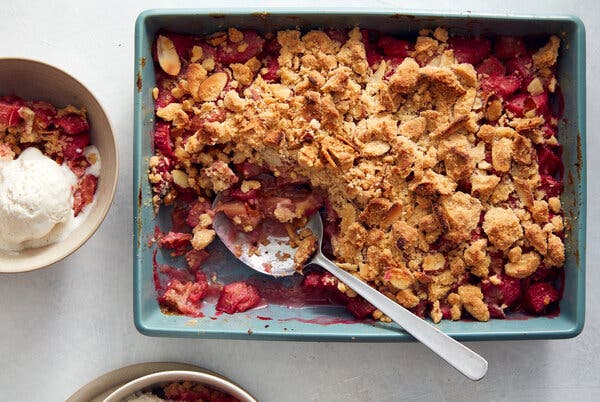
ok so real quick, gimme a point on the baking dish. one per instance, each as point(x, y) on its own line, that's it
point(332, 323)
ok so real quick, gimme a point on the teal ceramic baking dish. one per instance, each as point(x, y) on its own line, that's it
point(330, 323)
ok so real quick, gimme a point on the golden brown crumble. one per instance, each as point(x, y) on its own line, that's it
point(390, 154)
point(472, 300)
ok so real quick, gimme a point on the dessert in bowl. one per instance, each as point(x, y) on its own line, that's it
point(180, 385)
point(58, 164)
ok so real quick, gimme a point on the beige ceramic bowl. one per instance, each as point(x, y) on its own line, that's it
point(34, 80)
point(157, 379)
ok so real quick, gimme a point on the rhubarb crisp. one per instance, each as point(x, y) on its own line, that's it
point(433, 159)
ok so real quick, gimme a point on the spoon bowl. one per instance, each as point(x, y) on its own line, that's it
point(266, 257)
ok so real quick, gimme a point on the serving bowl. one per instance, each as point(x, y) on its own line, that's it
point(330, 323)
point(36, 80)
point(163, 377)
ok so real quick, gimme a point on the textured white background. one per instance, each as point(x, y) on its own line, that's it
point(62, 327)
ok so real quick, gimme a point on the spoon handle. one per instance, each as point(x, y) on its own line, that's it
point(458, 355)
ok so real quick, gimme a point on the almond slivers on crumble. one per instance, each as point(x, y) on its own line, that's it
point(431, 160)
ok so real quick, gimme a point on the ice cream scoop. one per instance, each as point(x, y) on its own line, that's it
point(35, 196)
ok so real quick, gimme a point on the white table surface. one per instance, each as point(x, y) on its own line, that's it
point(64, 326)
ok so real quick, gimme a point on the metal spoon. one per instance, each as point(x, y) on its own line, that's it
point(268, 259)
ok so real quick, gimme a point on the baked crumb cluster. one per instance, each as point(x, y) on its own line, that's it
point(437, 158)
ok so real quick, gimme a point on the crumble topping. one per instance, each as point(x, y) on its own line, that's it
point(472, 300)
point(432, 163)
point(524, 266)
point(502, 227)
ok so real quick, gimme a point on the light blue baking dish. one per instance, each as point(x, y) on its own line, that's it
point(327, 323)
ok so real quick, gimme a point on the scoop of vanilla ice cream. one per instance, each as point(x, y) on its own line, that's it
point(35, 196)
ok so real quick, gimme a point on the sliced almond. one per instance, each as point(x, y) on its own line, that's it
point(180, 178)
point(211, 87)
point(167, 55)
point(392, 215)
point(328, 158)
point(448, 129)
point(524, 190)
point(493, 109)
point(375, 148)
